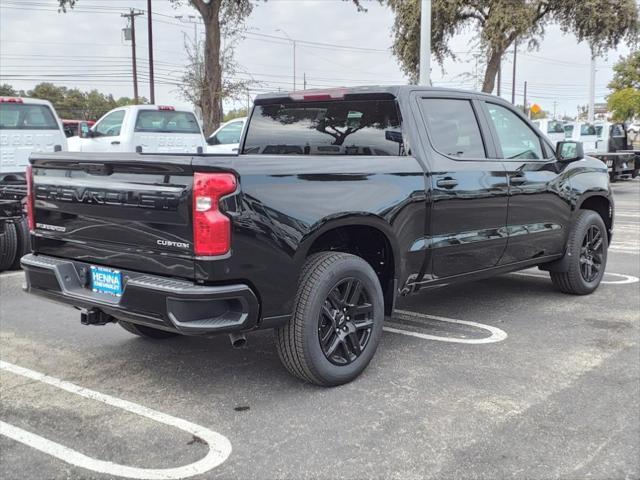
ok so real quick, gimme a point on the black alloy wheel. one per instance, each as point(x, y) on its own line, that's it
point(591, 253)
point(345, 322)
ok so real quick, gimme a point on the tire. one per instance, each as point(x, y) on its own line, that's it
point(318, 314)
point(147, 332)
point(8, 246)
point(23, 242)
point(573, 281)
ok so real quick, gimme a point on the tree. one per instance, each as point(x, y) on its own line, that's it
point(501, 23)
point(624, 101)
point(194, 80)
point(626, 72)
point(235, 113)
point(7, 90)
point(70, 102)
point(215, 14)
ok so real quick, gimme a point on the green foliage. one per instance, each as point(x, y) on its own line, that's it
point(624, 101)
point(624, 104)
point(626, 72)
point(71, 103)
point(235, 113)
point(7, 90)
point(499, 23)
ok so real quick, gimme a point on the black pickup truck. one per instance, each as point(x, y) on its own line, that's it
point(339, 202)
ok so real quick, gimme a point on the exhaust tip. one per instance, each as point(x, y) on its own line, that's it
point(238, 340)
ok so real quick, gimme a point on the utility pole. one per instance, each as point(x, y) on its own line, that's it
point(304, 77)
point(513, 80)
point(152, 88)
point(524, 102)
point(132, 19)
point(425, 43)
point(281, 30)
point(499, 76)
point(555, 104)
point(592, 88)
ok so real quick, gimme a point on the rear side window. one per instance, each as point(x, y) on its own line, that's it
point(587, 129)
point(344, 127)
point(555, 127)
point(21, 116)
point(166, 121)
point(453, 127)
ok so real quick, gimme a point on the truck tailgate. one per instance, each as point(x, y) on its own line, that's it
point(125, 211)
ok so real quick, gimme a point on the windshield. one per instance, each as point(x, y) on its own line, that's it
point(166, 121)
point(370, 127)
point(21, 116)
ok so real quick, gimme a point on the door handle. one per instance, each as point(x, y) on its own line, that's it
point(447, 183)
point(115, 142)
point(517, 179)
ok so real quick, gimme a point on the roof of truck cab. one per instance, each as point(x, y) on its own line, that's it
point(155, 108)
point(393, 90)
point(24, 100)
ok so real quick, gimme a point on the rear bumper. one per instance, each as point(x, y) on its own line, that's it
point(155, 301)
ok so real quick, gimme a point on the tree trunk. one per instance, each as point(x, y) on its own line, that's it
point(493, 64)
point(211, 96)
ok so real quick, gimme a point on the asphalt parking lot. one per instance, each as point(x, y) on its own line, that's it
point(494, 379)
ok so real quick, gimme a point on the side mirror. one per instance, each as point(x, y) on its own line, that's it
point(569, 151)
point(213, 140)
point(393, 136)
point(83, 130)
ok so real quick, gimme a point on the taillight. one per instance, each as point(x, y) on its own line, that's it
point(31, 214)
point(211, 228)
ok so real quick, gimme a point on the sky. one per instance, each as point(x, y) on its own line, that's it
point(335, 46)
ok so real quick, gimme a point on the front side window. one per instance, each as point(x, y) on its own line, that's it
point(342, 127)
point(453, 127)
point(229, 134)
point(110, 125)
point(166, 121)
point(22, 116)
point(516, 138)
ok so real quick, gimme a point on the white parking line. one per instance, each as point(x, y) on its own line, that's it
point(497, 335)
point(219, 445)
point(626, 279)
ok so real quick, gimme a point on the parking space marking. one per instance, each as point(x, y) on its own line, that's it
point(625, 279)
point(219, 445)
point(497, 335)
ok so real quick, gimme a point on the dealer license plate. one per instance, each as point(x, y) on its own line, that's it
point(106, 280)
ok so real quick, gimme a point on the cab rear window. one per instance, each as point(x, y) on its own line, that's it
point(345, 127)
point(161, 121)
point(21, 116)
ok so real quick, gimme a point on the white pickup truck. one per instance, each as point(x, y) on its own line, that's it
point(142, 128)
point(27, 125)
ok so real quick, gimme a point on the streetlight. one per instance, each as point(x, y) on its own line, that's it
point(294, 53)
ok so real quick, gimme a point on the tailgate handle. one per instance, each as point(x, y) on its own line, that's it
point(447, 183)
point(97, 168)
point(115, 142)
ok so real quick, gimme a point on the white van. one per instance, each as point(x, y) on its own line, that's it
point(582, 132)
point(27, 125)
point(142, 128)
point(553, 129)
